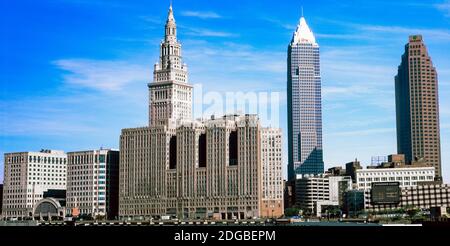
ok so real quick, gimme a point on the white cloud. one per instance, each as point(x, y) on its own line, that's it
point(201, 15)
point(102, 75)
point(444, 7)
point(202, 32)
point(436, 34)
point(223, 58)
point(343, 36)
point(377, 33)
point(279, 23)
point(345, 91)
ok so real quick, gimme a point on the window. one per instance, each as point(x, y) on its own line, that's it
point(102, 158)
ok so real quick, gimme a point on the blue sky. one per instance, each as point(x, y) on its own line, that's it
point(74, 72)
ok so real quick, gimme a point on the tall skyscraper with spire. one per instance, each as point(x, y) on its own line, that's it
point(304, 104)
point(222, 168)
point(417, 106)
point(170, 93)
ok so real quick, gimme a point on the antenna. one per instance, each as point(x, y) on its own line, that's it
point(302, 10)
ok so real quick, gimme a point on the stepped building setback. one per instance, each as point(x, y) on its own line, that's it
point(224, 168)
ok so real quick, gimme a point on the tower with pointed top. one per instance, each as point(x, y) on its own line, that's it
point(170, 94)
point(228, 167)
point(304, 104)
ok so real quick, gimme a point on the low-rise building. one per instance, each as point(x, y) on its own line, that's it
point(312, 192)
point(405, 175)
point(426, 196)
point(51, 207)
point(351, 168)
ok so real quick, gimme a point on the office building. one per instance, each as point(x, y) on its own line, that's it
point(314, 191)
point(406, 176)
point(417, 106)
point(27, 175)
point(272, 173)
point(305, 154)
point(223, 168)
point(351, 168)
point(93, 183)
point(426, 196)
point(353, 202)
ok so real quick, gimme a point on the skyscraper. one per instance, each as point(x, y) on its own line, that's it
point(417, 106)
point(223, 168)
point(170, 92)
point(304, 104)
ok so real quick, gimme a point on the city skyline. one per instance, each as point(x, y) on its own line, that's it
point(69, 87)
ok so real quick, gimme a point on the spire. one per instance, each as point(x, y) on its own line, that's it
point(170, 17)
point(171, 27)
point(303, 33)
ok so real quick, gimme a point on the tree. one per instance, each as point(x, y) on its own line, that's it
point(412, 212)
point(294, 211)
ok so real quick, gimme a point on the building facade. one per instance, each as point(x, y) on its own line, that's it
point(272, 172)
point(426, 196)
point(27, 175)
point(313, 191)
point(407, 176)
point(417, 106)
point(304, 104)
point(353, 202)
point(93, 183)
point(170, 93)
point(186, 168)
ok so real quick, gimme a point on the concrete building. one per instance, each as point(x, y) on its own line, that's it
point(51, 206)
point(27, 175)
point(406, 175)
point(93, 183)
point(426, 196)
point(272, 173)
point(225, 167)
point(305, 155)
point(336, 171)
point(417, 106)
point(351, 168)
point(170, 93)
point(313, 191)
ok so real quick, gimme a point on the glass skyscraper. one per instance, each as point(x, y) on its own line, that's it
point(304, 104)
